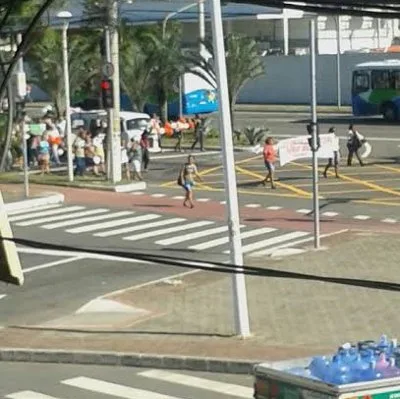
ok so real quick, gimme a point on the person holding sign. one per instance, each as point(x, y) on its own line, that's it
point(269, 161)
point(336, 156)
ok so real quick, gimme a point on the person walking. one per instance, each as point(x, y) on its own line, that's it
point(145, 145)
point(99, 156)
point(186, 179)
point(354, 143)
point(336, 155)
point(198, 132)
point(269, 154)
point(135, 160)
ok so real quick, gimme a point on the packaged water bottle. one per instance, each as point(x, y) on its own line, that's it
point(359, 367)
point(338, 371)
point(371, 373)
point(382, 363)
point(383, 344)
point(391, 370)
point(319, 366)
point(392, 346)
point(302, 372)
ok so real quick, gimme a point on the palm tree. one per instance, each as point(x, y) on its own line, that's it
point(135, 66)
point(242, 62)
point(45, 58)
point(167, 62)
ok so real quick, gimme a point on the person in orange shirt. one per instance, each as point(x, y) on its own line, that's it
point(269, 161)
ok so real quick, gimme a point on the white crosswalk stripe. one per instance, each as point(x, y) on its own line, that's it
point(168, 230)
point(225, 240)
point(232, 390)
point(192, 236)
point(33, 214)
point(29, 395)
point(75, 221)
point(74, 215)
point(113, 223)
point(29, 210)
point(140, 227)
point(116, 390)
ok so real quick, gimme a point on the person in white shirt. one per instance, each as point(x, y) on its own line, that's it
point(354, 143)
point(336, 156)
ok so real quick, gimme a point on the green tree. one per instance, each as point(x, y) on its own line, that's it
point(242, 63)
point(166, 61)
point(45, 58)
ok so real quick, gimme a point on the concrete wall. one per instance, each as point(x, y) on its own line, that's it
point(287, 79)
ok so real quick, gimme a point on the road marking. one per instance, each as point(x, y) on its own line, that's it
point(112, 223)
point(178, 197)
point(158, 195)
point(2, 296)
point(373, 186)
point(140, 227)
point(330, 214)
point(389, 220)
point(253, 206)
point(397, 170)
point(85, 255)
point(192, 236)
point(222, 202)
point(362, 217)
point(89, 219)
point(274, 208)
point(377, 202)
point(224, 240)
point(200, 154)
point(29, 395)
point(117, 390)
point(69, 216)
point(303, 211)
point(168, 230)
point(52, 264)
point(289, 187)
point(203, 200)
point(33, 214)
point(137, 193)
point(29, 210)
point(195, 382)
point(271, 241)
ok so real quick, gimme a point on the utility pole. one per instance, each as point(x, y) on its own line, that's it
point(241, 313)
point(116, 174)
point(338, 55)
point(314, 139)
point(110, 118)
point(202, 28)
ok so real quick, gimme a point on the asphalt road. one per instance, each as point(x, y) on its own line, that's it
point(371, 192)
point(50, 381)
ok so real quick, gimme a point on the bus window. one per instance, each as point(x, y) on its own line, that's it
point(380, 79)
point(396, 79)
point(360, 82)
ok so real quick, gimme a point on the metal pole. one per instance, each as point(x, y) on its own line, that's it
point(314, 132)
point(242, 325)
point(378, 31)
point(202, 27)
point(25, 151)
point(338, 70)
point(285, 33)
point(180, 97)
point(110, 119)
point(116, 173)
point(68, 129)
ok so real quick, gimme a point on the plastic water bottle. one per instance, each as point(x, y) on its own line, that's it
point(338, 371)
point(391, 370)
point(382, 363)
point(392, 346)
point(359, 367)
point(371, 373)
point(383, 344)
point(319, 366)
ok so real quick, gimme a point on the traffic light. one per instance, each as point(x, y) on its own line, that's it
point(107, 93)
point(310, 128)
point(10, 265)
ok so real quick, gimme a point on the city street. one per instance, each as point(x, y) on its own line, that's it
point(45, 381)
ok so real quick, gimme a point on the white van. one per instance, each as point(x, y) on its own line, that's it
point(133, 124)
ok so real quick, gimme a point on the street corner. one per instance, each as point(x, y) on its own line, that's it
point(38, 200)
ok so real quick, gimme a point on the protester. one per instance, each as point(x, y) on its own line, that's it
point(135, 160)
point(198, 132)
point(336, 155)
point(79, 148)
point(269, 154)
point(44, 154)
point(354, 143)
point(145, 145)
point(186, 179)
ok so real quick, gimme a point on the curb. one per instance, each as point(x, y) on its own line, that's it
point(141, 360)
point(189, 363)
point(34, 202)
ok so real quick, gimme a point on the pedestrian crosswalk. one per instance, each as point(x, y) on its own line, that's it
point(164, 385)
point(151, 229)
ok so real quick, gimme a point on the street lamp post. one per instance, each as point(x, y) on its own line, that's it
point(65, 16)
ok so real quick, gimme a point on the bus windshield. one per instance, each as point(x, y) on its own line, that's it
point(360, 82)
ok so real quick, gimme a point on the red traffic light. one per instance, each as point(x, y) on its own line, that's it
point(105, 85)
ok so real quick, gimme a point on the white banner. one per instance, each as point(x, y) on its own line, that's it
point(298, 148)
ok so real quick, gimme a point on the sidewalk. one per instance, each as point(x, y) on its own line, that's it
point(191, 315)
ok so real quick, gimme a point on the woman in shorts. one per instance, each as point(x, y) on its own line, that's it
point(269, 161)
point(135, 159)
point(44, 154)
point(187, 175)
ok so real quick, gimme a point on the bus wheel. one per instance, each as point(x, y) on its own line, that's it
point(389, 112)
